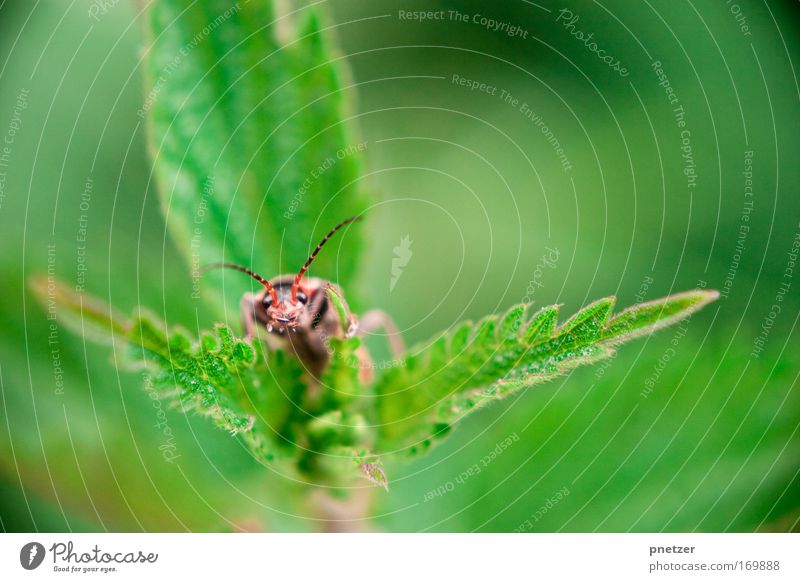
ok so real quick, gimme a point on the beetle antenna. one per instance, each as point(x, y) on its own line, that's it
point(313, 255)
point(267, 285)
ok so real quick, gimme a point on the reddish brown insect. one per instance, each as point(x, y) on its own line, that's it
point(297, 311)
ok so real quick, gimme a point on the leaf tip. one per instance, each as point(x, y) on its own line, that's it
point(374, 474)
point(708, 295)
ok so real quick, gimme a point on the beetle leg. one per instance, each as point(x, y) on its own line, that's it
point(352, 326)
point(366, 369)
point(378, 319)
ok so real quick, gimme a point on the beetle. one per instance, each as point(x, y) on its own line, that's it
point(296, 311)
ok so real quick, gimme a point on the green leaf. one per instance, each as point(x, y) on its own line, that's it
point(707, 442)
point(374, 474)
point(511, 324)
point(646, 317)
point(213, 381)
point(241, 389)
point(341, 379)
point(589, 321)
point(340, 307)
point(281, 412)
point(249, 147)
point(81, 313)
point(542, 325)
point(474, 365)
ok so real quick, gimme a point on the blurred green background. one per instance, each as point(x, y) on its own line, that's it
point(691, 429)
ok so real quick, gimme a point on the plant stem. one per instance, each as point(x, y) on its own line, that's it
point(350, 515)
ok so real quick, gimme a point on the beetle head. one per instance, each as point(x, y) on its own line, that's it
point(283, 312)
point(285, 303)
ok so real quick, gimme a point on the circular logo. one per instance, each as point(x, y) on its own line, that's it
point(31, 555)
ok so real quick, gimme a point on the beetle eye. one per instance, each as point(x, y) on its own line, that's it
point(302, 297)
point(267, 301)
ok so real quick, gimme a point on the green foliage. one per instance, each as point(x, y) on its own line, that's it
point(713, 447)
point(474, 365)
point(637, 445)
point(211, 377)
point(374, 474)
point(83, 314)
point(246, 130)
point(319, 427)
point(243, 133)
point(247, 137)
point(262, 396)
